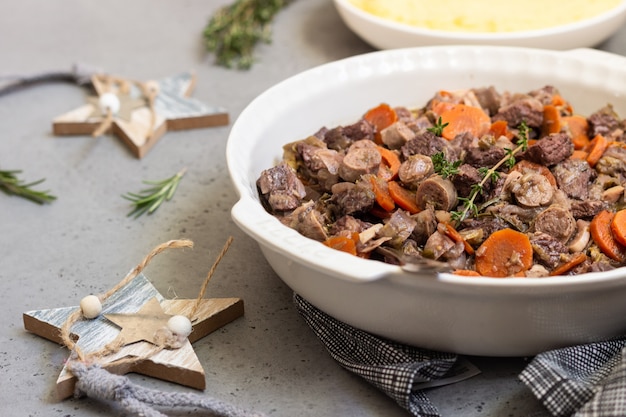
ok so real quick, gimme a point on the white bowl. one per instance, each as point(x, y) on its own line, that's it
point(477, 316)
point(387, 34)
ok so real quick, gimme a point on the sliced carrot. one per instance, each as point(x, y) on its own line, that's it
point(381, 116)
point(500, 128)
point(504, 253)
point(569, 265)
point(618, 227)
point(466, 273)
point(597, 147)
point(462, 118)
point(551, 120)
point(577, 126)
point(579, 154)
point(342, 243)
point(524, 166)
point(453, 234)
point(381, 191)
point(600, 229)
point(559, 102)
point(403, 198)
point(391, 159)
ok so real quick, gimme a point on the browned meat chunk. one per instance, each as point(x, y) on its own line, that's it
point(550, 150)
point(479, 158)
point(466, 177)
point(523, 109)
point(281, 188)
point(396, 135)
point(587, 209)
point(603, 122)
point(353, 198)
point(424, 143)
point(547, 249)
point(573, 176)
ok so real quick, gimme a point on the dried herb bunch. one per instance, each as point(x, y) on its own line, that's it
point(234, 30)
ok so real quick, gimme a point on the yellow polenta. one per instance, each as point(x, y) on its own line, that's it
point(486, 15)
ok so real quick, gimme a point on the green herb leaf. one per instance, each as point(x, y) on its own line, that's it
point(12, 185)
point(490, 174)
point(437, 130)
point(443, 167)
point(234, 30)
point(149, 199)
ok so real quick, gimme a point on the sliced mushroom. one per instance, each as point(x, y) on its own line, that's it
point(580, 241)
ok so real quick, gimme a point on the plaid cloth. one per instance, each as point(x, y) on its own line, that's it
point(391, 367)
point(579, 381)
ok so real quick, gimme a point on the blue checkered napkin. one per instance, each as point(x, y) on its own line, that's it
point(392, 367)
point(581, 381)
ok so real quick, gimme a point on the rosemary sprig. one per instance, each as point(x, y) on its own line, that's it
point(443, 167)
point(234, 30)
point(491, 174)
point(12, 185)
point(149, 199)
point(437, 129)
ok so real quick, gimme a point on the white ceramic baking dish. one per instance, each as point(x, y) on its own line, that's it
point(477, 315)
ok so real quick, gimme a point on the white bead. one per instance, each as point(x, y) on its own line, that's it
point(109, 101)
point(179, 325)
point(91, 306)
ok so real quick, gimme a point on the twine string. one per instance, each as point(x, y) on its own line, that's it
point(96, 382)
point(149, 91)
point(203, 288)
point(77, 314)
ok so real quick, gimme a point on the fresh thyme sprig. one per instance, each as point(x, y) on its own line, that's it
point(234, 30)
point(491, 174)
point(12, 185)
point(443, 167)
point(149, 199)
point(437, 129)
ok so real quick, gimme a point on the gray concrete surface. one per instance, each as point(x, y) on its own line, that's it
point(51, 256)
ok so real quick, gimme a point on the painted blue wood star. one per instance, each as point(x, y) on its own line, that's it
point(126, 307)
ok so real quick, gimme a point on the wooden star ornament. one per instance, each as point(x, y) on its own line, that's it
point(139, 113)
point(132, 315)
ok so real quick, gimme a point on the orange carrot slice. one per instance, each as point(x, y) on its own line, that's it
point(569, 265)
point(577, 126)
point(381, 191)
point(381, 116)
point(600, 228)
point(403, 197)
point(504, 253)
point(618, 226)
point(391, 159)
point(597, 147)
point(462, 118)
point(453, 234)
